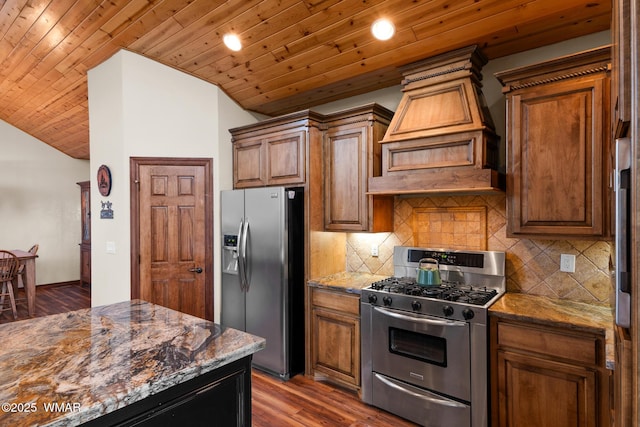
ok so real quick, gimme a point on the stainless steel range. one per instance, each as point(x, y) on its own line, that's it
point(424, 348)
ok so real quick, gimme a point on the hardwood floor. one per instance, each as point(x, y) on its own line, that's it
point(301, 401)
point(51, 299)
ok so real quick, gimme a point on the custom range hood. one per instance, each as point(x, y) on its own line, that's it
point(441, 138)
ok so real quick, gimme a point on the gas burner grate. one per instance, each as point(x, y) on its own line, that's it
point(448, 291)
point(394, 285)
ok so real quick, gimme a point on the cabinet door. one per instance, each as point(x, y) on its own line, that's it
point(85, 264)
point(286, 158)
point(538, 392)
point(349, 160)
point(248, 162)
point(622, 379)
point(270, 160)
point(555, 160)
point(336, 345)
point(345, 177)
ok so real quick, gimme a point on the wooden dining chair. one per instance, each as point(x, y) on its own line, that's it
point(9, 265)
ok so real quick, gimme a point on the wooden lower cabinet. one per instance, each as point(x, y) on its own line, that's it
point(542, 393)
point(547, 376)
point(335, 346)
point(622, 383)
point(85, 264)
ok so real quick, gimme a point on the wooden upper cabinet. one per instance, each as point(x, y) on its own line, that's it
point(621, 69)
point(558, 149)
point(351, 156)
point(273, 152)
point(286, 151)
point(286, 156)
point(248, 161)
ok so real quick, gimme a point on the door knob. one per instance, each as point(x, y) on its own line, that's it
point(196, 270)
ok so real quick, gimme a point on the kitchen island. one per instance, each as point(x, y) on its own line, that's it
point(125, 362)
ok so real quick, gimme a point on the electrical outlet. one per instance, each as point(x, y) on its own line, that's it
point(374, 250)
point(568, 263)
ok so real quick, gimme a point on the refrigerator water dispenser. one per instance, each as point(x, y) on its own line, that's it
point(230, 254)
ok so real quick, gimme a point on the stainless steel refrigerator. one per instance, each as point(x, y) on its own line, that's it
point(263, 273)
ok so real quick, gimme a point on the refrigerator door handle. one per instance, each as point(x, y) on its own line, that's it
point(622, 231)
point(245, 255)
point(241, 259)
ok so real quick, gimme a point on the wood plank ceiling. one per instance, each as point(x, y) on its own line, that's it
point(297, 53)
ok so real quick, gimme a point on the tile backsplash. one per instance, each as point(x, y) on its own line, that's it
point(533, 266)
point(451, 227)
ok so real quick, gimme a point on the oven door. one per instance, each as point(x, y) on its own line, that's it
point(429, 352)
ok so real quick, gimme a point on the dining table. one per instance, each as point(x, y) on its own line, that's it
point(29, 279)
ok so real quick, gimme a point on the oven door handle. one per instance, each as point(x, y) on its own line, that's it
point(431, 398)
point(420, 319)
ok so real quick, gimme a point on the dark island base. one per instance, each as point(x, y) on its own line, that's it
point(221, 397)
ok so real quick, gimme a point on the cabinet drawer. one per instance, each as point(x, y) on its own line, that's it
point(581, 349)
point(339, 301)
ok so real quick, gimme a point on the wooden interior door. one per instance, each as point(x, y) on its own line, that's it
point(174, 236)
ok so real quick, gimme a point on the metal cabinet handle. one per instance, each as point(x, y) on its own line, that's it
point(420, 319)
point(196, 270)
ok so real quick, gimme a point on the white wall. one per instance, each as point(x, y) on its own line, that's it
point(140, 108)
point(40, 203)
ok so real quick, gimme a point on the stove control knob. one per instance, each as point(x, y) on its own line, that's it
point(467, 313)
point(447, 310)
point(386, 300)
point(373, 298)
point(416, 305)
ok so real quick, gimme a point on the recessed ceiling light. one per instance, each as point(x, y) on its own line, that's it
point(383, 29)
point(232, 42)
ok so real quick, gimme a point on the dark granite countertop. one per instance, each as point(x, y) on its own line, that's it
point(346, 281)
point(97, 360)
point(560, 313)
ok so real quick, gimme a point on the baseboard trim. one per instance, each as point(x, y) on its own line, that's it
point(59, 284)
